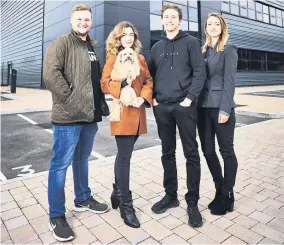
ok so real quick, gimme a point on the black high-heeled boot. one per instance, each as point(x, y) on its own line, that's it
point(127, 211)
point(217, 194)
point(115, 197)
point(224, 204)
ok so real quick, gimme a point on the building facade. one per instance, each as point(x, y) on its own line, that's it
point(255, 27)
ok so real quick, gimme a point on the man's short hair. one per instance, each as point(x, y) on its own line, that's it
point(172, 6)
point(81, 7)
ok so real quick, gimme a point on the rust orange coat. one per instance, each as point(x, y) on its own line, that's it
point(131, 118)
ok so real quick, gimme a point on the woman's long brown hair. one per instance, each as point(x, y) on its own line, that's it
point(224, 36)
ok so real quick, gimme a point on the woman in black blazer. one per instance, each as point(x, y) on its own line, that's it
point(216, 115)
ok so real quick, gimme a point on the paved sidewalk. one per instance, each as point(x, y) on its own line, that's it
point(259, 192)
point(258, 215)
point(260, 106)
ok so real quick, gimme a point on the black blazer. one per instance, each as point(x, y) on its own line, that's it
point(219, 88)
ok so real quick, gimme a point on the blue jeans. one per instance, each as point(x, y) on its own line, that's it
point(70, 144)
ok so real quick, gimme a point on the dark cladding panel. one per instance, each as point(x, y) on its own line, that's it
point(250, 34)
point(136, 12)
point(51, 5)
point(57, 30)
point(142, 5)
point(23, 45)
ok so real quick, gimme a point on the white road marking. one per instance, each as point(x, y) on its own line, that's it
point(97, 155)
point(241, 124)
point(93, 153)
point(27, 119)
point(48, 130)
point(2, 177)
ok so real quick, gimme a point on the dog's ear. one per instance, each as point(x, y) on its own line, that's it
point(118, 59)
point(120, 56)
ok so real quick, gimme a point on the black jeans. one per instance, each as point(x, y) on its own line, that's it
point(208, 127)
point(168, 116)
point(125, 145)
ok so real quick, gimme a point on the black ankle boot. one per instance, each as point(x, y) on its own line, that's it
point(224, 204)
point(217, 194)
point(127, 211)
point(115, 197)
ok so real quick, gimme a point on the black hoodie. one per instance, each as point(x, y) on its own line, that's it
point(178, 68)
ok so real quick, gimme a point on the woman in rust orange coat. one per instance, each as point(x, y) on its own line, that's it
point(132, 118)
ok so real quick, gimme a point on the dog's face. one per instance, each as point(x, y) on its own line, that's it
point(127, 55)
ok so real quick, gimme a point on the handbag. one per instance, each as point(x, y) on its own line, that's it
point(104, 106)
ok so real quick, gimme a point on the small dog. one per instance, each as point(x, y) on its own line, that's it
point(126, 65)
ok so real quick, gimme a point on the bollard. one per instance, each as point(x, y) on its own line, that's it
point(14, 81)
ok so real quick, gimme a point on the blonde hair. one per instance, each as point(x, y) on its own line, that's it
point(113, 44)
point(223, 38)
point(81, 7)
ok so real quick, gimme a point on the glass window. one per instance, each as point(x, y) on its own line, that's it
point(254, 55)
point(179, 2)
point(156, 28)
point(235, 9)
point(278, 13)
point(192, 15)
point(266, 18)
point(236, 2)
point(251, 14)
point(256, 61)
point(184, 25)
point(242, 65)
point(265, 9)
point(184, 12)
point(279, 21)
point(256, 65)
point(225, 7)
point(193, 26)
point(244, 12)
point(251, 4)
point(155, 7)
point(259, 16)
point(192, 3)
point(273, 20)
point(243, 3)
point(155, 22)
point(258, 7)
point(273, 56)
point(275, 66)
point(272, 11)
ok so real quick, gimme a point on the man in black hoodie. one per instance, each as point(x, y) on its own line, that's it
point(178, 69)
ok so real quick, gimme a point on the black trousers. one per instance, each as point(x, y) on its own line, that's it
point(208, 127)
point(168, 116)
point(125, 145)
